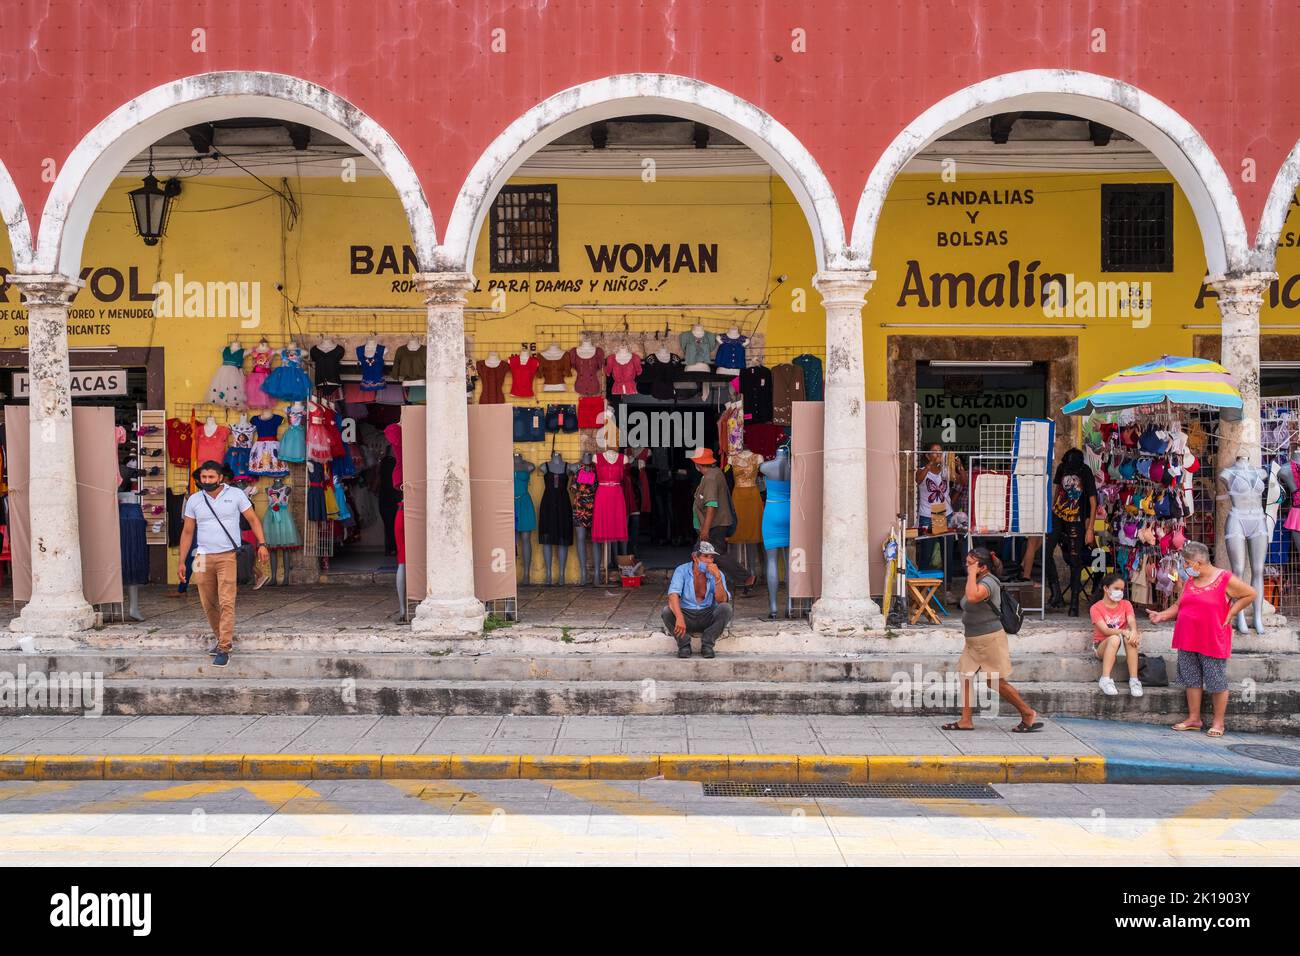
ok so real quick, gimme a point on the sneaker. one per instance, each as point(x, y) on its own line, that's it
point(706, 650)
point(221, 659)
point(683, 650)
point(213, 651)
point(1107, 686)
point(1134, 687)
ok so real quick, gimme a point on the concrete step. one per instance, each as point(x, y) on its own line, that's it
point(1273, 706)
point(262, 665)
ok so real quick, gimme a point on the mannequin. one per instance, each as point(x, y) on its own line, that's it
point(1246, 532)
point(585, 348)
point(553, 351)
point(582, 492)
point(371, 344)
point(662, 353)
point(326, 344)
point(492, 360)
point(413, 343)
point(747, 505)
point(555, 526)
point(234, 345)
point(131, 527)
point(525, 516)
point(610, 522)
point(776, 522)
point(1289, 477)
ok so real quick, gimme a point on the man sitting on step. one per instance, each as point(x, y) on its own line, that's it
point(698, 600)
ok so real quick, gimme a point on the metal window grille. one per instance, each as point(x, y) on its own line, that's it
point(525, 229)
point(1137, 227)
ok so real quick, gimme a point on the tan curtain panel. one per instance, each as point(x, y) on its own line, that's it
point(95, 448)
point(883, 491)
point(492, 500)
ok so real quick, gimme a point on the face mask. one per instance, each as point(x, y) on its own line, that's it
point(209, 485)
point(1191, 572)
point(702, 565)
point(1117, 595)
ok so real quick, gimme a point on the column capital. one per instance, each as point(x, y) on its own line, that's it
point(444, 288)
point(47, 289)
point(844, 286)
point(1241, 288)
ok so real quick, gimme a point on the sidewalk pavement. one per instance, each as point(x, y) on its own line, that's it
point(805, 748)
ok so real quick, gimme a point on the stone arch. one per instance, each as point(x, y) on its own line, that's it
point(633, 93)
point(15, 217)
point(137, 124)
point(1168, 135)
point(1273, 221)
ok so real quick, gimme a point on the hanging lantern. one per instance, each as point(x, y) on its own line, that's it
point(151, 206)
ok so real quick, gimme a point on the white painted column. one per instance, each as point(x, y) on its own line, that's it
point(1241, 296)
point(845, 602)
point(58, 604)
point(450, 606)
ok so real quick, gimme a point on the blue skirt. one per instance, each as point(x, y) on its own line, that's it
point(135, 552)
point(289, 383)
point(293, 444)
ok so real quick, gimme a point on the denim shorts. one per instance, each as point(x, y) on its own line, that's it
point(528, 424)
point(562, 418)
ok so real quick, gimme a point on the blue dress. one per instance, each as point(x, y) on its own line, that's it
point(776, 515)
point(525, 514)
point(288, 382)
point(372, 368)
point(293, 443)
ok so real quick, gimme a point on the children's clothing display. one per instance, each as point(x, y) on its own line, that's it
point(372, 368)
point(227, 388)
point(610, 519)
point(521, 375)
point(623, 374)
point(254, 395)
point(238, 455)
point(210, 447)
point(409, 364)
point(293, 443)
point(328, 366)
point(555, 524)
point(525, 515)
point(277, 523)
point(287, 381)
point(493, 378)
point(323, 441)
point(316, 492)
point(589, 372)
point(265, 458)
point(745, 499)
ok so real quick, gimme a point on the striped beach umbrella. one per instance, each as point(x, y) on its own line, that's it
point(1168, 380)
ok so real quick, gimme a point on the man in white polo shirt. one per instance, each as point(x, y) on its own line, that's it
point(212, 515)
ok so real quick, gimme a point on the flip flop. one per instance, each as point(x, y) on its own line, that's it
point(1184, 725)
point(955, 726)
point(1023, 728)
point(1213, 733)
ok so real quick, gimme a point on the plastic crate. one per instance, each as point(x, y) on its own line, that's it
point(631, 581)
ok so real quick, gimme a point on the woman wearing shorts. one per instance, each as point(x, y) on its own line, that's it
point(1203, 634)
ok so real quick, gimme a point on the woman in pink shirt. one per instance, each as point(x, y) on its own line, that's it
point(1203, 634)
point(1114, 628)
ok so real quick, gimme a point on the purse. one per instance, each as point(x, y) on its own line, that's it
point(245, 553)
point(1152, 671)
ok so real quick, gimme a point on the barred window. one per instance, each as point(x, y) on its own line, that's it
point(524, 228)
point(1137, 227)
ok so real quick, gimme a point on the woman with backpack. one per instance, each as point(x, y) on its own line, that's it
point(986, 646)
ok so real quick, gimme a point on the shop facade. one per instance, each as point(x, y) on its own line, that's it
point(786, 269)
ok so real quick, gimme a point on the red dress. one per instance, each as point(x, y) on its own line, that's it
point(610, 520)
point(521, 376)
point(1200, 625)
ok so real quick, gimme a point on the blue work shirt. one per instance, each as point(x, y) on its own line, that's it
point(683, 585)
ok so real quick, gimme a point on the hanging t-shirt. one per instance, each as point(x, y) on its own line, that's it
point(493, 378)
point(521, 376)
point(1074, 491)
point(933, 492)
point(731, 351)
point(326, 365)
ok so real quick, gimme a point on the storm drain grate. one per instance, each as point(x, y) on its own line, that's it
point(854, 791)
point(1286, 756)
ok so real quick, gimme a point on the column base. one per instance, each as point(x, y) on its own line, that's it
point(449, 616)
point(42, 617)
point(846, 615)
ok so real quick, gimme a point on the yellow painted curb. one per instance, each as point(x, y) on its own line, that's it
point(554, 767)
point(833, 769)
point(137, 767)
point(700, 768)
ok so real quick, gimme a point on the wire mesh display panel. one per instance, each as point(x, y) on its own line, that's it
point(1279, 440)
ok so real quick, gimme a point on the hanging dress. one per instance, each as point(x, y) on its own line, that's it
point(265, 458)
point(288, 382)
point(745, 499)
point(584, 497)
point(776, 516)
point(316, 492)
point(210, 447)
point(254, 394)
point(525, 515)
point(281, 532)
point(1292, 522)
point(372, 368)
point(609, 523)
point(323, 442)
point(555, 525)
point(242, 437)
point(293, 443)
point(227, 388)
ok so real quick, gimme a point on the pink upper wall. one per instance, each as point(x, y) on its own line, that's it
point(423, 70)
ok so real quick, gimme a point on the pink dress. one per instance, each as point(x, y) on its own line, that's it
point(1292, 522)
point(253, 394)
point(610, 520)
point(1200, 623)
point(623, 375)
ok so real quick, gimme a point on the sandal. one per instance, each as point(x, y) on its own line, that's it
point(1185, 725)
point(955, 726)
point(1213, 732)
point(1024, 728)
